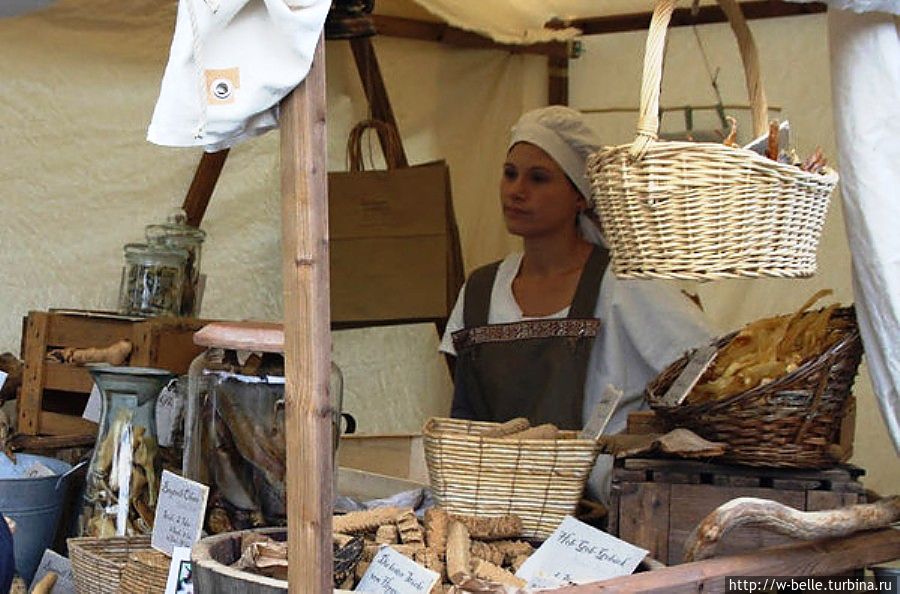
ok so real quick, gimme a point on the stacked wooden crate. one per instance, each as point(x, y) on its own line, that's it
point(53, 394)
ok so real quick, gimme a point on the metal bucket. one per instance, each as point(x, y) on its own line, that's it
point(35, 504)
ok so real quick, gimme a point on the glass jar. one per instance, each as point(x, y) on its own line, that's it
point(122, 483)
point(243, 449)
point(175, 232)
point(152, 280)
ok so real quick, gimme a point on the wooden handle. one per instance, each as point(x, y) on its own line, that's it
point(393, 156)
point(654, 52)
point(782, 519)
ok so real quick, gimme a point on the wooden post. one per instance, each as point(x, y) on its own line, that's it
point(558, 80)
point(307, 336)
point(376, 92)
point(202, 186)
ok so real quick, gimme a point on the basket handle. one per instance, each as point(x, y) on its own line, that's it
point(648, 117)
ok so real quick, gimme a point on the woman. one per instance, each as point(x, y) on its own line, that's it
point(543, 333)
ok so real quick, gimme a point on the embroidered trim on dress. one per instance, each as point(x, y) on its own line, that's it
point(559, 328)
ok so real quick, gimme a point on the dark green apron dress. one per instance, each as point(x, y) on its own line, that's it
point(534, 368)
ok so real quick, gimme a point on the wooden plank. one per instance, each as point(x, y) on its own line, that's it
point(173, 344)
point(838, 474)
point(644, 422)
point(681, 17)
point(823, 557)
point(821, 500)
point(52, 442)
point(307, 345)
point(391, 26)
point(691, 503)
point(375, 90)
point(68, 378)
point(202, 186)
point(243, 336)
point(557, 80)
point(86, 332)
point(31, 393)
point(390, 455)
point(644, 515)
point(58, 424)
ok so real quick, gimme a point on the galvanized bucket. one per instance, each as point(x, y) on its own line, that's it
point(35, 504)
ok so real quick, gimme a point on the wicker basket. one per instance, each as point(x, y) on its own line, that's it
point(791, 422)
point(702, 211)
point(98, 563)
point(540, 480)
point(146, 572)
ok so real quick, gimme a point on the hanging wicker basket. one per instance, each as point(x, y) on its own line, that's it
point(701, 210)
point(790, 422)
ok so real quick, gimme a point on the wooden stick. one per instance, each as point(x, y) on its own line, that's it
point(780, 518)
point(202, 186)
point(307, 338)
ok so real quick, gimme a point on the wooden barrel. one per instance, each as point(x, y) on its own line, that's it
point(210, 560)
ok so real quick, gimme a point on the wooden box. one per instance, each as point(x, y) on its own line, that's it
point(655, 503)
point(53, 395)
point(396, 455)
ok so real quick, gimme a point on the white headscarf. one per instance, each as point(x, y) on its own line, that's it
point(562, 133)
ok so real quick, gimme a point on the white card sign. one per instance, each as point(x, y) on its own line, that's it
point(579, 554)
point(181, 576)
point(693, 371)
point(179, 513)
point(62, 567)
point(392, 573)
point(3, 376)
point(93, 407)
point(603, 412)
point(169, 414)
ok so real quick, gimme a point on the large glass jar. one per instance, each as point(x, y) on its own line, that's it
point(242, 443)
point(152, 280)
point(122, 482)
point(175, 232)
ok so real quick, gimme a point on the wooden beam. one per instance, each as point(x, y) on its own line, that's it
point(307, 343)
point(443, 33)
point(557, 80)
point(376, 92)
point(757, 9)
point(202, 186)
point(823, 557)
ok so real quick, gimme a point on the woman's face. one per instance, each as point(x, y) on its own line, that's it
point(537, 197)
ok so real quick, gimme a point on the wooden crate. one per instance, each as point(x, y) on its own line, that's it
point(397, 455)
point(166, 343)
point(655, 503)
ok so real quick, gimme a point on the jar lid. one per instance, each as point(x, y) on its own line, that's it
point(155, 252)
point(174, 229)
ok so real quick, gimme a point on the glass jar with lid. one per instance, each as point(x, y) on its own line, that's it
point(152, 280)
point(175, 232)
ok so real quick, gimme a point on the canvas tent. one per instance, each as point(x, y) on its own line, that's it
point(80, 181)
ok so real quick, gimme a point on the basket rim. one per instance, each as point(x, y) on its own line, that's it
point(829, 175)
point(843, 343)
point(430, 432)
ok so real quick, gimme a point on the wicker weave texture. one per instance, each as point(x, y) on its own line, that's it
point(539, 480)
point(704, 211)
point(98, 563)
point(146, 572)
point(790, 422)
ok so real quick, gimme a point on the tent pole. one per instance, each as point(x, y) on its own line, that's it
point(307, 335)
point(202, 186)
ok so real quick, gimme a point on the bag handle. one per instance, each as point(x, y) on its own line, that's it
point(387, 132)
point(648, 118)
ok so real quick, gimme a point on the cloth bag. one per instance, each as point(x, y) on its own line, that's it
point(230, 64)
point(395, 252)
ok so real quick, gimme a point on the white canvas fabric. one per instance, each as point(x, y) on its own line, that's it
point(230, 64)
point(645, 325)
point(860, 6)
point(865, 81)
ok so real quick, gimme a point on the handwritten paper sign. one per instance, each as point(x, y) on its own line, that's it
point(169, 413)
point(62, 567)
point(392, 573)
point(179, 513)
point(38, 470)
point(3, 376)
point(579, 554)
